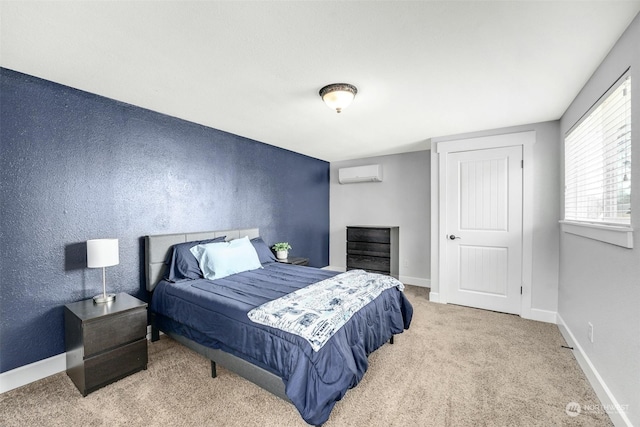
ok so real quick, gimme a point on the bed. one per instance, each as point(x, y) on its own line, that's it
point(211, 317)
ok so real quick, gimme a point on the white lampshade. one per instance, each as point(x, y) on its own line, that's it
point(102, 253)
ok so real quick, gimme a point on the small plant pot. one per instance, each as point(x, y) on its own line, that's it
point(282, 254)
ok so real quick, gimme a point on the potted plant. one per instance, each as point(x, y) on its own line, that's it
point(282, 250)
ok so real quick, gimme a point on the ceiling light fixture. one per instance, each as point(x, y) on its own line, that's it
point(338, 95)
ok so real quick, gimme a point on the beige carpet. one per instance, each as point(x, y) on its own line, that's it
point(456, 366)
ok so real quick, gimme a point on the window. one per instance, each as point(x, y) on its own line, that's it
point(598, 161)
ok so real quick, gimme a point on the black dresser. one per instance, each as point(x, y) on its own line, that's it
point(373, 248)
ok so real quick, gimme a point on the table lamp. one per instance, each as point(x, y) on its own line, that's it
point(102, 253)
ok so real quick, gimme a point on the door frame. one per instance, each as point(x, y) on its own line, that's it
point(439, 153)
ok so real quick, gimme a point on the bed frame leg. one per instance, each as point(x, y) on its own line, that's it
point(155, 332)
point(213, 369)
point(391, 340)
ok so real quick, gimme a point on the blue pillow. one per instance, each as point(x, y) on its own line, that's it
point(264, 253)
point(218, 260)
point(181, 264)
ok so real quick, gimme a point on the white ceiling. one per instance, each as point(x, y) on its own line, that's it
point(423, 69)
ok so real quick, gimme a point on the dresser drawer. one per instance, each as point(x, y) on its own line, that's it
point(377, 264)
point(110, 366)
point(369, 249)
point(104, 333)
point(373, 235)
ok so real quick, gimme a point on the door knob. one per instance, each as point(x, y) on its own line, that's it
point(453, 237)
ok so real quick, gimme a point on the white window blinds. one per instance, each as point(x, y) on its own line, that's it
point(598, 161)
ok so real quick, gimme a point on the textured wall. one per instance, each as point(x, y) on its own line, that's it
point(76, 166)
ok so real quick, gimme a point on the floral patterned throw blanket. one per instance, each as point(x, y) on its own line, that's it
point(319, 310)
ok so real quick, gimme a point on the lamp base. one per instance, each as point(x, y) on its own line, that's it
point(103, 298)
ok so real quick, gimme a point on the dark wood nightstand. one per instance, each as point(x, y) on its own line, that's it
point(295, 260)
point(105, 342)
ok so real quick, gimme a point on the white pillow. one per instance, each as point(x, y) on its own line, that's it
point(218, 260)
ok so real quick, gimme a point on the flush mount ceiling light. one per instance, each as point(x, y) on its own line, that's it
point(338, 95)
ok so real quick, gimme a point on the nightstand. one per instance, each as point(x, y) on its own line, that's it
point(105, 342)
point(295, 260)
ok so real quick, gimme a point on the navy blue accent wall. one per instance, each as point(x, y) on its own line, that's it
point(75, 166)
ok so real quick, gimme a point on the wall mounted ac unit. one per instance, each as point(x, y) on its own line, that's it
point(369, 173)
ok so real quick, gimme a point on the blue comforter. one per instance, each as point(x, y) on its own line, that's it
point(214, 313)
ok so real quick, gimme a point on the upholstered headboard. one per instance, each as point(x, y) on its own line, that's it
point(156, 248)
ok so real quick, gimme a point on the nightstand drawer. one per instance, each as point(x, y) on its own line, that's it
point(105, 342)
point(104, 333)
point(108, 367)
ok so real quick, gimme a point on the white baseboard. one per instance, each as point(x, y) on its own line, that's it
point(434, 296)
point(334, 268)
point(546, 316)
point(608, 400)
point(534, 314)
point(415, 281)
point(32, 372)
point(38, 370)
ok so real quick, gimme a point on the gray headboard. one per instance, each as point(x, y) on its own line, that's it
point(156, 248)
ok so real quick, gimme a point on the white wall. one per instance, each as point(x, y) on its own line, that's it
point(599, 282)
point(545, 216)
point(401, 199)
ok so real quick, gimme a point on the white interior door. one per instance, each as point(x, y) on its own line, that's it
point(484, 228)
